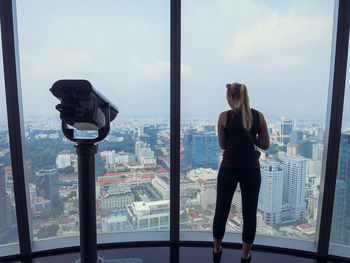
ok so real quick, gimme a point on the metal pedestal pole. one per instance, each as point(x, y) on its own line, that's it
point(87, 202)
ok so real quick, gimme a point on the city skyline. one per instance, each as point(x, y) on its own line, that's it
point(132, 168)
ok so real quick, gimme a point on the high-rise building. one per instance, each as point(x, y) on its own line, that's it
point(317, 151)
point(320, 134)
point(291, 150)
point(271, 192)
point(144, 154)
point(286, 127)
point(296, 137)
point(340, 233)
point(200, 149)
point(294, 174)
point(304, 148)
point(148, 134)
point(5, 208)
point(63, 160)
point(286, 130)
point(47, 185)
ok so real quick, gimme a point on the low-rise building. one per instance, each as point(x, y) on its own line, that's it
point(148, 215)
point(116, 199)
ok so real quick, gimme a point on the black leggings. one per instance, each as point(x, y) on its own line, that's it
point(249, 180)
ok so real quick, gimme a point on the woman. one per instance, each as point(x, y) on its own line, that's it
point(239, 129)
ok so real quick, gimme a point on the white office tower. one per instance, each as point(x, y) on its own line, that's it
point(207, 197)
point(144, 154)
point(148, 215)
point(110, 156)
point(291, 150)
point(294, 173)
point(63, 160)
point(115, 223)
point(271, 192)
point(317, 151)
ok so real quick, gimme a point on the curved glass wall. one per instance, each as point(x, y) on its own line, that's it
point(281, 52)
point(340, 234)
point(122, 48)
point(8, 222)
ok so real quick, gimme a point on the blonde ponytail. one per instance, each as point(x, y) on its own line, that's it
point(239, 91)
point(247, 117)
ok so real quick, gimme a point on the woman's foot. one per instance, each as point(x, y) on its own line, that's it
point(217, 256)
point(246, 260)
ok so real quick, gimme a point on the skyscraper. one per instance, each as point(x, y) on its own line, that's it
point(286, 130)
point(47, 185)
point(340, 233)
point(286, 127)
point(148, 134)
point(271, 192)
point(294, 173)
point(296, 137)
point(5, 208)
point(304, 148)
point(200, 149)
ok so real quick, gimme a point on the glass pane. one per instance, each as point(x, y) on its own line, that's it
point(122, 48)
point(8, 221)
point(281, 52)
point(340, 233)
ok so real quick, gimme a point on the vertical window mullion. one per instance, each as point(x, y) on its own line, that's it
point(333, 123)
point(15, 120)
point(175, 67)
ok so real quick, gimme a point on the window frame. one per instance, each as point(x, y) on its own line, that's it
point(320, 248)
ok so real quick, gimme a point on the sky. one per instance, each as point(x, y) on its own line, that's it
point(279, 49)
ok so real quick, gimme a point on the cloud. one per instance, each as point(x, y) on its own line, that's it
point(271, 46)
point(149, 70)
point(279, 40)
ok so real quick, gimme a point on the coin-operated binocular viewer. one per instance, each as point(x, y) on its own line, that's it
point(84, 108)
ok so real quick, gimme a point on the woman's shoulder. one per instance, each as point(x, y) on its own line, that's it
point(224, 113)
point(254, 111)
point(258, 113)
point(223, 117)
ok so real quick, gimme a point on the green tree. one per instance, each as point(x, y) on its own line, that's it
point(66, 170)
point(48, 231)
point(100, 169)
point(274, 148)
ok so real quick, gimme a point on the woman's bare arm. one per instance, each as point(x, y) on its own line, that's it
point(263, 135)
point(221, 130)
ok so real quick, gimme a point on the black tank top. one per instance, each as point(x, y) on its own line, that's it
point(240, 152)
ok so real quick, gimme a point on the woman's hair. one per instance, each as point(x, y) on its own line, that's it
point(239, 92)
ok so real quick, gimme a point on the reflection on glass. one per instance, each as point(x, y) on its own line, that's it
point(122, 48)
point(270, 48)
point(341, 216)
point(8, 222)
point(340, 232)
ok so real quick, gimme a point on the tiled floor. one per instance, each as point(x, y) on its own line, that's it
point(186, 255)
